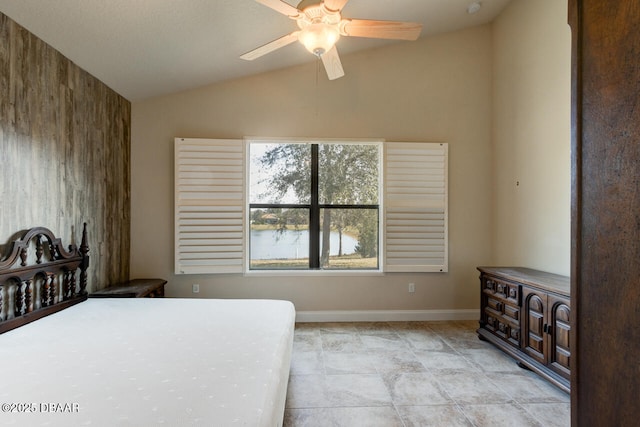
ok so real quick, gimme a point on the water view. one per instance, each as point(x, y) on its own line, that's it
point(293, 244)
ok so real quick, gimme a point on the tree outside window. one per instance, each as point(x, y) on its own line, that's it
point(314, 205)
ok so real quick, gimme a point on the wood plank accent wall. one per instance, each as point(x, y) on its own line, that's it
point(64, 152)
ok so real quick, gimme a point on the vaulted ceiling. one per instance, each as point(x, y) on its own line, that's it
point(146, 48)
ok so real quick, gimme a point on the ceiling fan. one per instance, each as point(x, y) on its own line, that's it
point(321, 25)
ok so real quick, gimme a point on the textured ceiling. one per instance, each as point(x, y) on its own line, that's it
point(146, 48)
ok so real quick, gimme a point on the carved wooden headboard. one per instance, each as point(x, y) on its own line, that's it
point(39, 277)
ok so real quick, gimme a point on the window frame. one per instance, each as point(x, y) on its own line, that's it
point(314, 206)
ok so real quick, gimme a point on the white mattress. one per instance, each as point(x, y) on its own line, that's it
point(142, 362)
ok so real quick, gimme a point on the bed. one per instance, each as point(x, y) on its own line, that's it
point(69, 360)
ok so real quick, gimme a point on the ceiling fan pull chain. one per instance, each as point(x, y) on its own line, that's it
point(317, 74)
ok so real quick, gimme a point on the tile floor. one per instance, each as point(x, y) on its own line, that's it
point(412, 374)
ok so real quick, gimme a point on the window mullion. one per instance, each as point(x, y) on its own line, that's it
point(314, 212)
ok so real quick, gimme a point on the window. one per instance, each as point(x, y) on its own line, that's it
point(314, 205)
point(398, 225)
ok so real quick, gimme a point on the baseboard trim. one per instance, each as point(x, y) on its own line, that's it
point(385, 315)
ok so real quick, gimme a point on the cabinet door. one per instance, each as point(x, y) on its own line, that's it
point(533, 323)
point(558, 330)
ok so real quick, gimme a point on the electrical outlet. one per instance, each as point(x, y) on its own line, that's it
point(195, 288)
point(412, 288)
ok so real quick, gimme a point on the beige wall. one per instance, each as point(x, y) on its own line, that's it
point(438, 89)
point(531, 135)
point(499, 95)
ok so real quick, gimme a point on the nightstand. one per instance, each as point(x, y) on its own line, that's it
point(136, 288)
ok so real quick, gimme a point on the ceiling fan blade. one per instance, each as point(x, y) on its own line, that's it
point(335, 5)
point(282, 7)
point(271, 46)
point(382, 29)
point(332, 64)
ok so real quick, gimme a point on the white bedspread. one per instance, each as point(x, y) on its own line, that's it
point(144, 362)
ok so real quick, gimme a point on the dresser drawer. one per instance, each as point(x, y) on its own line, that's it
point(502, 327)
point(512, 312)
point(501, 308)
point(509, 292)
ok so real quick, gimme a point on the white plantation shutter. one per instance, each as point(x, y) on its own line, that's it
point(415, 207)
point(209, 206)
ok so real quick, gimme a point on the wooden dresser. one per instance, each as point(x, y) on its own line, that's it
point(526, 313)
point(136, 288)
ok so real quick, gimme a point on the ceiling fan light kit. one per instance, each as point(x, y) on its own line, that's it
point(321, 26)
point(474, 7)
point(319, 37)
